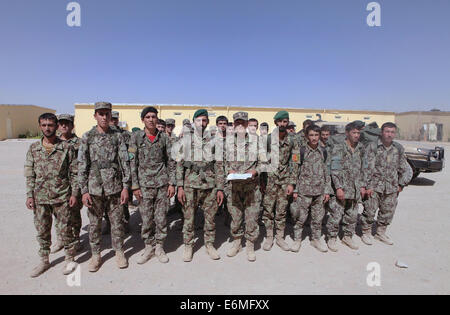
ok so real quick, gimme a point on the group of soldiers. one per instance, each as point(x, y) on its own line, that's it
point(309, 173)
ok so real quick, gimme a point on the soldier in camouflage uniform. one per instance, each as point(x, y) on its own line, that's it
point(153, 182)
point(312, 191)
point(51, 181)
point(349, 184)
point(170, 126)
point(386, 174)
point(291, 127)
point(161, 125)
point(65, 129)
point(301, 136)
point(245, 197)
point(104, 179)
point(200, 181)
point(220, 145)
point(280, 181)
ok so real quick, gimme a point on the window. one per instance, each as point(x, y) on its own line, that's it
point(177, 114)
point(366, 118)
point(309, 116)
point(338, 117)
point(211, 114)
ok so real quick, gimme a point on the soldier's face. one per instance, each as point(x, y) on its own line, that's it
point(103, 117)
point(313, 137)
point(263, 130)
point(150, 120)
point(48, 127)
point(282, 124)
point(388, 134)
point(114, 122)
point(252, 127)
point(353, 136)
point(201, 122)
point(240, 126)
point(222, 125)
point(160, 127)
point(65, 127)
point(169, 128)
point(324, 135)
point(290, 129)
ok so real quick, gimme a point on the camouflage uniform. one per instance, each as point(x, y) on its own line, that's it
point(275, 198)
point(313, 182)
point(347, 174)
point(76, 222)
point(201, 177)
point(152, 170)
point(103, 171)
point(51, 179)
point(387, 169)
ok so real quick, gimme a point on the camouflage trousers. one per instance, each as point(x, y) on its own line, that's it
point(347, 211)
point(244, 206)
point(387, 203)
point(300, 209)
point(275, 206)
point(111, 206)
point(153, 209)
point(206, 200)
point(43, 223)
point(75, 221)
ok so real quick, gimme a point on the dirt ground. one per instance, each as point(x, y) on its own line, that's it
point(420, 231)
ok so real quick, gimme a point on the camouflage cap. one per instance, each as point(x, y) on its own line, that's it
point(115, 114)
point(186, 122)
point(102, 105)
point(291, 124)
point(240, 115)
point(281, 115)
point(170, 121)
point(359, 124)
point(65, 117)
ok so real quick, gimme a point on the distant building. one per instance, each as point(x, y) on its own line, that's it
point(424, 126)
point(18, 120)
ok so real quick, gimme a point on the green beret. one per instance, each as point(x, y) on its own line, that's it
point(281, 115)
point(135, 129)
point(201, 112)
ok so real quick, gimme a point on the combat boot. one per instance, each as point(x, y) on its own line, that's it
point(43, 266)
point(146, 255)
point(235, 248)
point(57, 247)
point(381, 235)
point(317, 244)
point(69, 266)
point(161, 254)
point(268, 243)
point(281, 242)
point(121, 260)
point(348, 240)
point(332, 245)
point(295, 247)
point(366, 236)
point(250, 249)
point(187, 255)
point(212, 252)
point(95, 262)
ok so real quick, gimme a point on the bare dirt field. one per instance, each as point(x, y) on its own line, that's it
point(421, 232)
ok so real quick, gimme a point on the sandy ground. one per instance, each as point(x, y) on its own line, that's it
point(420, 230)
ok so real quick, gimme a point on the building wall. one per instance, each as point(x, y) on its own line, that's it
point(84, 119)
point(16, 120)
point(410, 124)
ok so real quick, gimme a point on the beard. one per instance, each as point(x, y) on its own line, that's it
point(282, 129)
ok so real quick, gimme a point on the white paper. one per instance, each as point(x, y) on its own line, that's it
point(238, 176)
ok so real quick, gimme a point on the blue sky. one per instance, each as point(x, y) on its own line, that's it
point(310, 54)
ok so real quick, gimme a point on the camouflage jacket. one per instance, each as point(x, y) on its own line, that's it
point(49, 177)
point(313, 176)
point(151, 163)
point(75, 143)
point(301, 138)
point(347, 169)
point(197, 167)
point(103, 164)
point(288, 152)
point(387, 168)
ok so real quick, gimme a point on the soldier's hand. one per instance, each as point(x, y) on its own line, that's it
point(181, 196)
point(138, 194)
point(220, 197)
point(340, 194)
point(400, 189)
point(170, 191)
point(87, 200)
point(363, 192)
point(30, 203)
point(289, 190)
point(72, 201)
point(369, 192)
point(326, 198)
point(295, 196)
point(124, 196)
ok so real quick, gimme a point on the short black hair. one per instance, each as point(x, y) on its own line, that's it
point(264, 124)
point(253, 119)
point(161, 122)
point(221, 118)
point(325, 128)
point(312, 128)
point(388, 125)
point(48, 116)
point(149, 109)
point(352, 126)
point(307, 122)
point(230, 124)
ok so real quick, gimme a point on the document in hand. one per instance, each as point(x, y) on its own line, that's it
point(238, 176)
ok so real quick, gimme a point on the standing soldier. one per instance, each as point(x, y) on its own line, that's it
point(220, 143)
point(386, 174)
point(324, 136)
point(200, 182)
point(280, 182)
point(161, 125)
point(245, 198)
point(170, 126)
point(291, 127)
point(301, 135)
point(153, 182)
point(312, 191)
point(349, 185)
point(104, 178)
point(51, 180)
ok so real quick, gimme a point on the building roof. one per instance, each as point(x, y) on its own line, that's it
point(25, 105)
point(428, 113)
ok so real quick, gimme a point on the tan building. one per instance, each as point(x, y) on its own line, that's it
point(130, 114)
point(424, 126)
point(18, 120)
